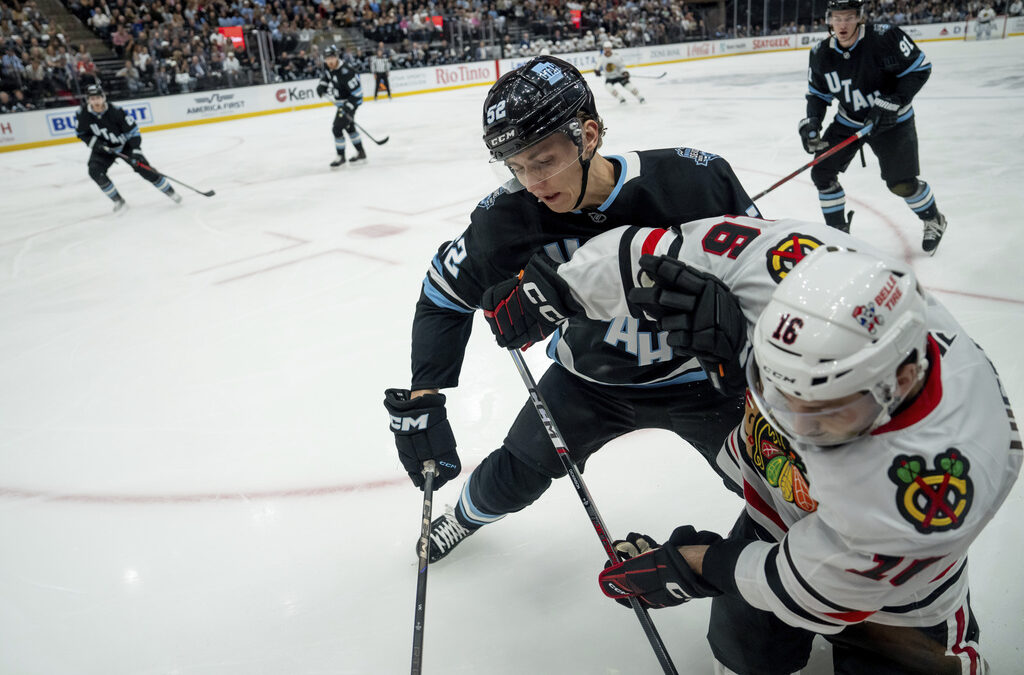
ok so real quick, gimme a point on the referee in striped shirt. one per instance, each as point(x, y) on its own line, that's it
point(380, 66)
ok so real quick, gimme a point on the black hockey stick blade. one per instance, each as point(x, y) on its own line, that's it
point(143, 165)
point(367, 134)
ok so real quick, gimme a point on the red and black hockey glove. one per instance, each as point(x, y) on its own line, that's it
point(658, 576)
point(701, 315)
point(422, 432)
point(528, 308)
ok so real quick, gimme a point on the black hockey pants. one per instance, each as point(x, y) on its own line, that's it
point(589, 416)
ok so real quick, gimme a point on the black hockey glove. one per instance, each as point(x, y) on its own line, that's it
point(108, 149)
point(321, 89)
point(702, 317)
point(810, 135)
point(350, 107)
point(882, 115)
point(422, 432)
point(658, 576)
point(528, 308)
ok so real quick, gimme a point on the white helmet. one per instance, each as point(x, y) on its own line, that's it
point(841, 323)
point(607, 45)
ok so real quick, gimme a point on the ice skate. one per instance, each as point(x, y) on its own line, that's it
point(339, 160)
point(119, 204)
point(174, 196)
point(933, 231)
point(361, 154)
point(445, 534)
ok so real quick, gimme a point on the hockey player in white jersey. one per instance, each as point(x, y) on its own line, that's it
point(986, 21)
point(614, 70)
point(897, 443)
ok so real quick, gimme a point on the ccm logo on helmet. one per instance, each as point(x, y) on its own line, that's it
point(501, 138)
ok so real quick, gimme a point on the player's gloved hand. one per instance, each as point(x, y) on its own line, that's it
point(528, 308)
point(702, 317)
point(882, 115)
point(349, 107)
point(422, 432)
point(810, 135)
point(321, 89)
point(107, 148)
point(658, 576)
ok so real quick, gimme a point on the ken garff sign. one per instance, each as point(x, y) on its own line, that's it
point(63, 123)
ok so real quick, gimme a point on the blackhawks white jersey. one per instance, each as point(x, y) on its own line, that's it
point(879, 528)
point(612, 67)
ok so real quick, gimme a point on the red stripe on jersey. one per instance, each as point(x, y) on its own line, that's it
point(960, 647)
point(926, 401)
point(943, 572)
point(850, 617)
point(755, 501)
point(652, 241)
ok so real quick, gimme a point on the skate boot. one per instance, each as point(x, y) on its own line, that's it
point(361, 154)
point(933, 231)
point(445, 534)
point(643, 100)
point(338, 161)
point(119, 204)
point(174, 196)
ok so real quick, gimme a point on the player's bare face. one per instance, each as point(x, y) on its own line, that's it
point(332, 62)
point(845, 24)
point(97, 104)
point(550, 171)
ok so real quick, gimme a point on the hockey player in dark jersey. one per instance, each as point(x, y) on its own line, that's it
point(341, 83)
point(874, 71)
point(609, 377)
point(107, 130)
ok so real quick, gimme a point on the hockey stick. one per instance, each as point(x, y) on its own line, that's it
point(367, 134)
point(429, 471)
point(649, 77)
point(864, 131)
point(147, 167)
point(588, 503)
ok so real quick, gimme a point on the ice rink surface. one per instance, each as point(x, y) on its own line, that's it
point(196, 474)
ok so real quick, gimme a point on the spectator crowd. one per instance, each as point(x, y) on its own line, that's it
point(175, 46)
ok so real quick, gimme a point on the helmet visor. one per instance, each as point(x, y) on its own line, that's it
point(548, 169)
point(819, 423)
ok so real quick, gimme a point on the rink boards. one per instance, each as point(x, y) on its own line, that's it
point(22, 131)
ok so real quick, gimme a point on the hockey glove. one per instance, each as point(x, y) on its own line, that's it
point(659, 577)
point(528, 308)
point(702, 317)
point(882, 115)
point(422, 432)
point(108, 149)
point(321, 89)
point(810, 135)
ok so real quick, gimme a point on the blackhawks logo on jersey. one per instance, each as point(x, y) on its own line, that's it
point(784, 256)
point(771, 455)
point(933, 500)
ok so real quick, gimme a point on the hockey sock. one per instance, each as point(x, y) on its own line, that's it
point(110, 191)
point(163, 186)
point(470, 516)
point(922, 202)
point(833, 205)
point(339, 145)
